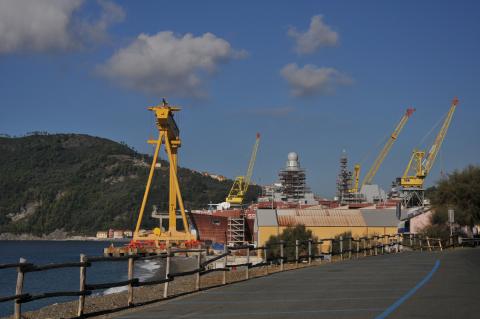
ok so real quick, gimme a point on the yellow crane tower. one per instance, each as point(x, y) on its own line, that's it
point(381, 156)
point(168, 135)
point(240, 185)
point(420, 165)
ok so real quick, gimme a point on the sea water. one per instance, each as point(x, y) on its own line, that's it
point(64, 279)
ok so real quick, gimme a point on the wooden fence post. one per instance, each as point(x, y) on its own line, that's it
point(364, 240)
point(330, 250)
point(167, 272)
point(265, 259)
point(411, 241)
point(350, 248)
point(281, 255)
point(382, 241)
point(224, 277)
point(130, 277)
point(341, 247)
point(83, 280)
point(247, 271)
point(370, 246)
point(375, 247)
point(19, 289)
point(309, 251)
point(296, 253)
point(357, 242)
point(440, 244)
point(199, 262)
point(428, 244)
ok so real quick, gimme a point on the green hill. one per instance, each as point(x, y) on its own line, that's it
point(80, 184)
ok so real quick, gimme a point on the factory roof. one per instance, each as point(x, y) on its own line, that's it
point(328, 217)
point(266, 217)
point(347, 220)
point(380, 217)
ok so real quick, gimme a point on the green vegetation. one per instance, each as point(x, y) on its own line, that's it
point(336, 243)
point(459, 191)
point(288, 236)
point(80, 184)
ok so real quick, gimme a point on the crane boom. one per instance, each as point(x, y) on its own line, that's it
point(432, 154)
point(241, 183)
point(253, 157)
point(386, 148)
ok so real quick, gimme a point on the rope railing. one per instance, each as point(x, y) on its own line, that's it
point(305, 251)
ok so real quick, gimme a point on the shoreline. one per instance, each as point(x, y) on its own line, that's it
point(112, 305)
point(72, 238)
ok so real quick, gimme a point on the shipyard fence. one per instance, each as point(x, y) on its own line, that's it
point(305, 253)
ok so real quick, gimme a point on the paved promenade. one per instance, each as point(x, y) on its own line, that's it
point(406, 285)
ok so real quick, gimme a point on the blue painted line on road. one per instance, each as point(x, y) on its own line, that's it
point(410, 293)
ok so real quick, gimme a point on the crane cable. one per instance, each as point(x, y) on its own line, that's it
point(442, 119)
point(383, 141)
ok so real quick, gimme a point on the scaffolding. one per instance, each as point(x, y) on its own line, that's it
point(344, 180)
point(294, 186)
point(236, 231)
point(346, 192)
point(293, 179)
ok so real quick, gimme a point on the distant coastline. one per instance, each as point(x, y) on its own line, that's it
point(57, 237)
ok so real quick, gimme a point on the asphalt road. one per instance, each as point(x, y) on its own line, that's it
point(406, 285)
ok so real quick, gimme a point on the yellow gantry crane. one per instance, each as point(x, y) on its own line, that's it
point(240, 185)
point(381, 156)
point(420, 162)
point(168, 135)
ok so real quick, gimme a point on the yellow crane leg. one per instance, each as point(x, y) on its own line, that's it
point(172, 200)
point(176, 186)
point(149, 183)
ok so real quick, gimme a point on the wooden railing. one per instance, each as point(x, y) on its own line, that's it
point(341, 248)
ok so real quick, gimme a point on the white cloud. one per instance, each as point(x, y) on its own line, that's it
point(97, 30)
point(165, 64)
point(318, 35)
point(51, 25)
point(312, 80)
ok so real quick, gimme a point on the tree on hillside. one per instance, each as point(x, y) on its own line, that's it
point(461, 192)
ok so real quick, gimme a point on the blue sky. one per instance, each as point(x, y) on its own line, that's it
point(86, 70)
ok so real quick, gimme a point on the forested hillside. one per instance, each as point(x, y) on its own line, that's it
point(80, 184)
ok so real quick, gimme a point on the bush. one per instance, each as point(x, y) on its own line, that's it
point(460, 191)
point(436, 231)
point(336, 243)
point(289, 236)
